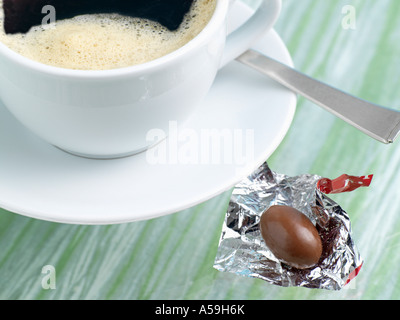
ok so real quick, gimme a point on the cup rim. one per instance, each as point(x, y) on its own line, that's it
point(201, 38)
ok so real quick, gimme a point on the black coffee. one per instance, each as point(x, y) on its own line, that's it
point(21, 15)
point(106, 40)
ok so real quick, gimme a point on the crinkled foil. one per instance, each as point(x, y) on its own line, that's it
point(242, 249)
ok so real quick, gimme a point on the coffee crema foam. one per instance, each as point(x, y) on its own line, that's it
point(106, 41)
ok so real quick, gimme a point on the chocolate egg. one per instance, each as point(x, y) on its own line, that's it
point(291, 236)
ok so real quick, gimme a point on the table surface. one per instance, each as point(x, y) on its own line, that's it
point(172, 257)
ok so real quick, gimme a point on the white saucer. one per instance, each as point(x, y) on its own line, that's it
point(40, 181)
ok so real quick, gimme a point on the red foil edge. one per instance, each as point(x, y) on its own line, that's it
point(344, 183)
point(353, 274)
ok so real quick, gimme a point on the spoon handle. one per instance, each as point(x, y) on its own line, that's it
point(378, 122)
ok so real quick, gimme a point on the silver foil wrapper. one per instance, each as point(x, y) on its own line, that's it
point(242, 249)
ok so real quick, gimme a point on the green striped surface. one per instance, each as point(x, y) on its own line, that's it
point(172, 257)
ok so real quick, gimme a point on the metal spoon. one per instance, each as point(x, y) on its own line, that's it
point(378, 122)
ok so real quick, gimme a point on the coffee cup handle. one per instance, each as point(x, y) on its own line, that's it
point(260, 22)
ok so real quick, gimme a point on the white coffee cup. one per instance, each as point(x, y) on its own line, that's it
point(107, 114)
